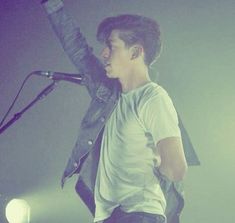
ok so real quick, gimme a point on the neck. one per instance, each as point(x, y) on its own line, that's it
point(135, 78)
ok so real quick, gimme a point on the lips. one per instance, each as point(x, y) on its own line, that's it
point(107, 64)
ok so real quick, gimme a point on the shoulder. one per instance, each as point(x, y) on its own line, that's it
point(154, 94)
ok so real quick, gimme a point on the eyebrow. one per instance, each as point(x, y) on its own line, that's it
point(110, 41)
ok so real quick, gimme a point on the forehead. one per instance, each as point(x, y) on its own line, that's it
point(114, 37)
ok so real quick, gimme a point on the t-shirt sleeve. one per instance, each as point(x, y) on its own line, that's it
point(160, 117)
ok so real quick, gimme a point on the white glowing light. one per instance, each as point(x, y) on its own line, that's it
point(18, 211)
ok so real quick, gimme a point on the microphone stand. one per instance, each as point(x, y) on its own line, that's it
point(40, 96)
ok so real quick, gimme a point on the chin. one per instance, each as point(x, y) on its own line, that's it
point(110, 75)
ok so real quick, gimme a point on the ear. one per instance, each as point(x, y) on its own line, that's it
point(136, 51)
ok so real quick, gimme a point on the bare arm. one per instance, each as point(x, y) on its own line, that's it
point(173, 163)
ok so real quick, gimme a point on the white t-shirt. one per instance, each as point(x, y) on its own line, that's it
point(125, 176)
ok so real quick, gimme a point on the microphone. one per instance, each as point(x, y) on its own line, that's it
point(57, 76)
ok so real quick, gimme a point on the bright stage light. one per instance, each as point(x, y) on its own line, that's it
point(18, 211)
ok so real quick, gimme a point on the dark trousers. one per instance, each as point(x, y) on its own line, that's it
point(119, 216)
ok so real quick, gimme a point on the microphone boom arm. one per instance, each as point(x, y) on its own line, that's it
point(40, 96)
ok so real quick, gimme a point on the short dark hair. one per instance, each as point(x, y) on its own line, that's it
point(133, 29)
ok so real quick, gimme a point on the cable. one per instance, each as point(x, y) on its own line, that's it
point(5, 116)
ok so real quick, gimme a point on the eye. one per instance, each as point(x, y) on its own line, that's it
point(109, 45)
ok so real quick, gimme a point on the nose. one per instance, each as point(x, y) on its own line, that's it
point(105, 53)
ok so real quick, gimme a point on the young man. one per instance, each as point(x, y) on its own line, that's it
point(129, 146)
point(142, 126)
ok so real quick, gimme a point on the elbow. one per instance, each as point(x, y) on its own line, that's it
point(176, 173)
point(179, 173)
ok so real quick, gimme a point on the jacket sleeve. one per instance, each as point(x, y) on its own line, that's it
point(75, 45)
